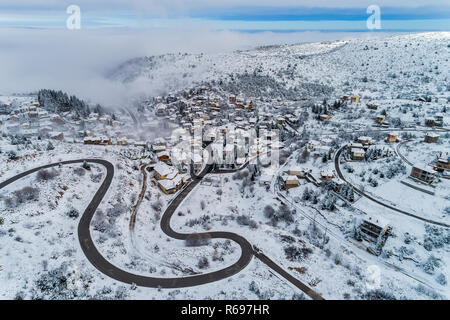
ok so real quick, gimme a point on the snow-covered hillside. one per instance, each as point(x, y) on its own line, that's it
point(403, 65)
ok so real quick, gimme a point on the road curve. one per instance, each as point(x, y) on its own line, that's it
point(341, 176)
point(104, 266)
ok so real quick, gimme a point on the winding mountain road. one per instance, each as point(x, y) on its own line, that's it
point(104, 266)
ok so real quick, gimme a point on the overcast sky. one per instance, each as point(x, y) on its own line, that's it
point(240, 15)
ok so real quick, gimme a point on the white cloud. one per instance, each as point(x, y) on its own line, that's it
point(76, 61)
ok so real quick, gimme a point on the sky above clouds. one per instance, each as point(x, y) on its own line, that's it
point(241, 15)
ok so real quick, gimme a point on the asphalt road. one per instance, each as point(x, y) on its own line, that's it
point(104, 266)
point(339, 172)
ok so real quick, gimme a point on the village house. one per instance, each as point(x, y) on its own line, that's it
point(97, 140)
point(443, 163)
point(373, 234)
point(356, 99)
point(431, 137)
point(122, 141)
point(372, 106)
point(439, 120)
point(313, 144)
point(429, 122)
point(291, 182)
point(357, 152)
point(296, 171)
point(56, 119)
point(326, 175)
point(162, 171)
point(380, 119)
point(171, 186)
point(365, 141)
point(160, 110)
point(424, 174)
point(392, 137)
point(163, 156)
point(33, 115)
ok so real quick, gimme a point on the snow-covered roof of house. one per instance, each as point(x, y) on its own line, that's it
point(159, 148)
point(327, 173)
point(355, 145)
point(171, 184)
point(162, 153)
point(425, 168)
point(160, 141)
point(358, 150)
point(432, 134)
point(290, 178)
point(163, 169)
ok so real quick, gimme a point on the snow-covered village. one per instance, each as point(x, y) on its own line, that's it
point(318, 170)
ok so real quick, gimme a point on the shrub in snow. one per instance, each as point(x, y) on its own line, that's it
point(61, 284)
point(394, 169)
point(253, 287)
point(79, 172)
point(306, 194)
point(298, 296)
point(73, 213)
point(50, 146)
point(379, 294)
point(12, 155)
point(269, 211)
point(245, 220)
point(428, 292)
point(96, 178)
point(435, 237)
point(441, 279)
point(25, 194)
point(203, 263)
point(447, 210)
point(431, 264)
point(294, 253)
point(157, 206)
point(328, 203)
point(283, 214)
point(196, 241)
point(316, 236)
point(121, 293)
point(19, 296)
point(44, 175)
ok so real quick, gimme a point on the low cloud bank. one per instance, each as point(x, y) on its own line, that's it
point(77, 61)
